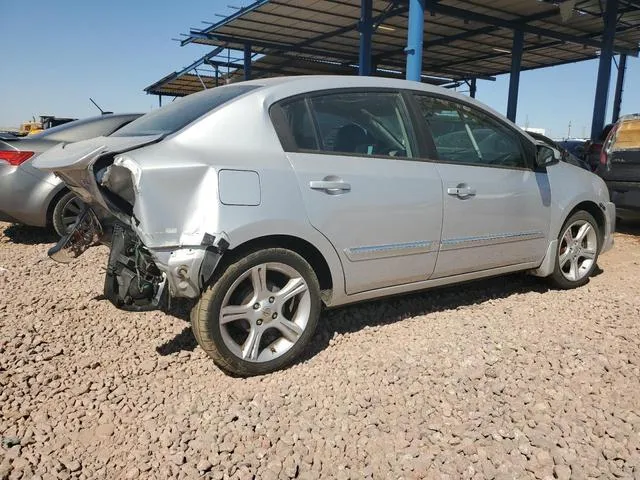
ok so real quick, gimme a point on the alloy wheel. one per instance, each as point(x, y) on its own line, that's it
point(265, 312)
point(577, 250)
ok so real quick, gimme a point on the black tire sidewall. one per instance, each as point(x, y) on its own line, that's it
point(208, 317)
point(557, 277)
point(56, 216)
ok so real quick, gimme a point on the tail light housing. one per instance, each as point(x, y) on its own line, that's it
point(604, 156)
point(14, 157)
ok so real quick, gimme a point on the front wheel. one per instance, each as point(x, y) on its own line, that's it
point(577, 253)
point(259, 312)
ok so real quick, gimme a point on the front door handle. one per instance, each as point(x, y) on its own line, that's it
point(462, 191)
point(330, 186)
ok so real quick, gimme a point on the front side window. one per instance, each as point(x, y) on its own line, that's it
point(464, 135)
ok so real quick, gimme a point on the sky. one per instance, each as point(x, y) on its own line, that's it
point(55, 55)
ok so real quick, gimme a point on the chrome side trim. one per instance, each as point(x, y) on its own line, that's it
point(467, 242)
point(373, 252)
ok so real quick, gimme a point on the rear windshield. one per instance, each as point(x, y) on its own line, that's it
point(85, 128)
point(182, 112)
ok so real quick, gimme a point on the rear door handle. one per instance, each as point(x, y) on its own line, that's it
point(330, 186)
point(461, 191)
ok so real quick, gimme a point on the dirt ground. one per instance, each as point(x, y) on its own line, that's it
point(498, 379)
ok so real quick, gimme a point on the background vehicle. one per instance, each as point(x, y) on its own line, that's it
point(619, 166)
point(593, 148)
point(348, 189)
point(33, 197)
point(575, 147)
point(34, 127)
point(566, 156)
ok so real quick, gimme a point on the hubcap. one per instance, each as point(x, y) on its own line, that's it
point(265, 312)
point(70, 212)
point(577, 250)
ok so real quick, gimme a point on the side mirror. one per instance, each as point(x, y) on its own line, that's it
point(547, 156)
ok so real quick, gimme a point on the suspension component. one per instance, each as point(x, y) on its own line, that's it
point(133, 281)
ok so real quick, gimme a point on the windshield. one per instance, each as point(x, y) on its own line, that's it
point(182, 112)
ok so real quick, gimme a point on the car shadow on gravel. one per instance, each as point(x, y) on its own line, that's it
point(374, 313)
point(26, 235)
point(628, 228)
point(184, 341)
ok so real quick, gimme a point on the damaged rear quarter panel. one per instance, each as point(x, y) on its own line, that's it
point(177, 201)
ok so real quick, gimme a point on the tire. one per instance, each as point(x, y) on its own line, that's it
point(65, 212)
point(574, 267)
point(281, 323)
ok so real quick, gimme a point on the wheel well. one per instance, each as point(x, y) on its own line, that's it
point(52, 205)
point(303, 248)
point(596, 212)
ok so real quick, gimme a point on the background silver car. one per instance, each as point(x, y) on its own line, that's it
point(33, 197)
point(267, 199)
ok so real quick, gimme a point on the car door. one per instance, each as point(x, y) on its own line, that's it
point(496, 207)
point(364, 189)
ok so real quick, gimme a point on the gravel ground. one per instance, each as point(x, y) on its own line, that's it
point(497, 379)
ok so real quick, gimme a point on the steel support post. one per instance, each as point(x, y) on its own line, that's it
point(604, 69)
point(415, 37)
point(365, 27)
point(617, 101)
point(514, 77)
point(247, 61)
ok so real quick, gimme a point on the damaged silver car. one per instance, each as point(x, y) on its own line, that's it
point(268, 199)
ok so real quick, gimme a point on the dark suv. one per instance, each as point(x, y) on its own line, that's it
point(619, 166)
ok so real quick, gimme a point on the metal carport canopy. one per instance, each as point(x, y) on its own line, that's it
point(181, 83)
point(462, 39)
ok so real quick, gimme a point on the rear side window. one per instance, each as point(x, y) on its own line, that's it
point(348, 123)
point(371, 123)
point(464, 135)
point(300, 124)
point(180, 113)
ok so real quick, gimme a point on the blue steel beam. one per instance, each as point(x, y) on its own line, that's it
point(216, 51)
point(514, 77)
point(226, 20)
point(617, 102)
point(415, 37)
point(435, 7)
point(366, 33)
point(267, 44)
point(467, 34)
point(530, 48)
point(604, 69)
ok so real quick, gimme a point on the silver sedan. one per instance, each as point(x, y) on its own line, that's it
point(267, 200)
point(32, 197)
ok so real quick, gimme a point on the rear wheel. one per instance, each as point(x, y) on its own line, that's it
point(577, 254)
point(258, 313)
point(65, 213)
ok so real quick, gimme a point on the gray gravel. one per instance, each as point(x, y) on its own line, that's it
point(498, 379)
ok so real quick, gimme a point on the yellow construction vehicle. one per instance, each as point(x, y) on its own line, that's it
point(46, 121)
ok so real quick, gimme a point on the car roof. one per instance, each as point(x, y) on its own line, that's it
point(292, 85)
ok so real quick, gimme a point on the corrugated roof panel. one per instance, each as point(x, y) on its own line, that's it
point(327, 29)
